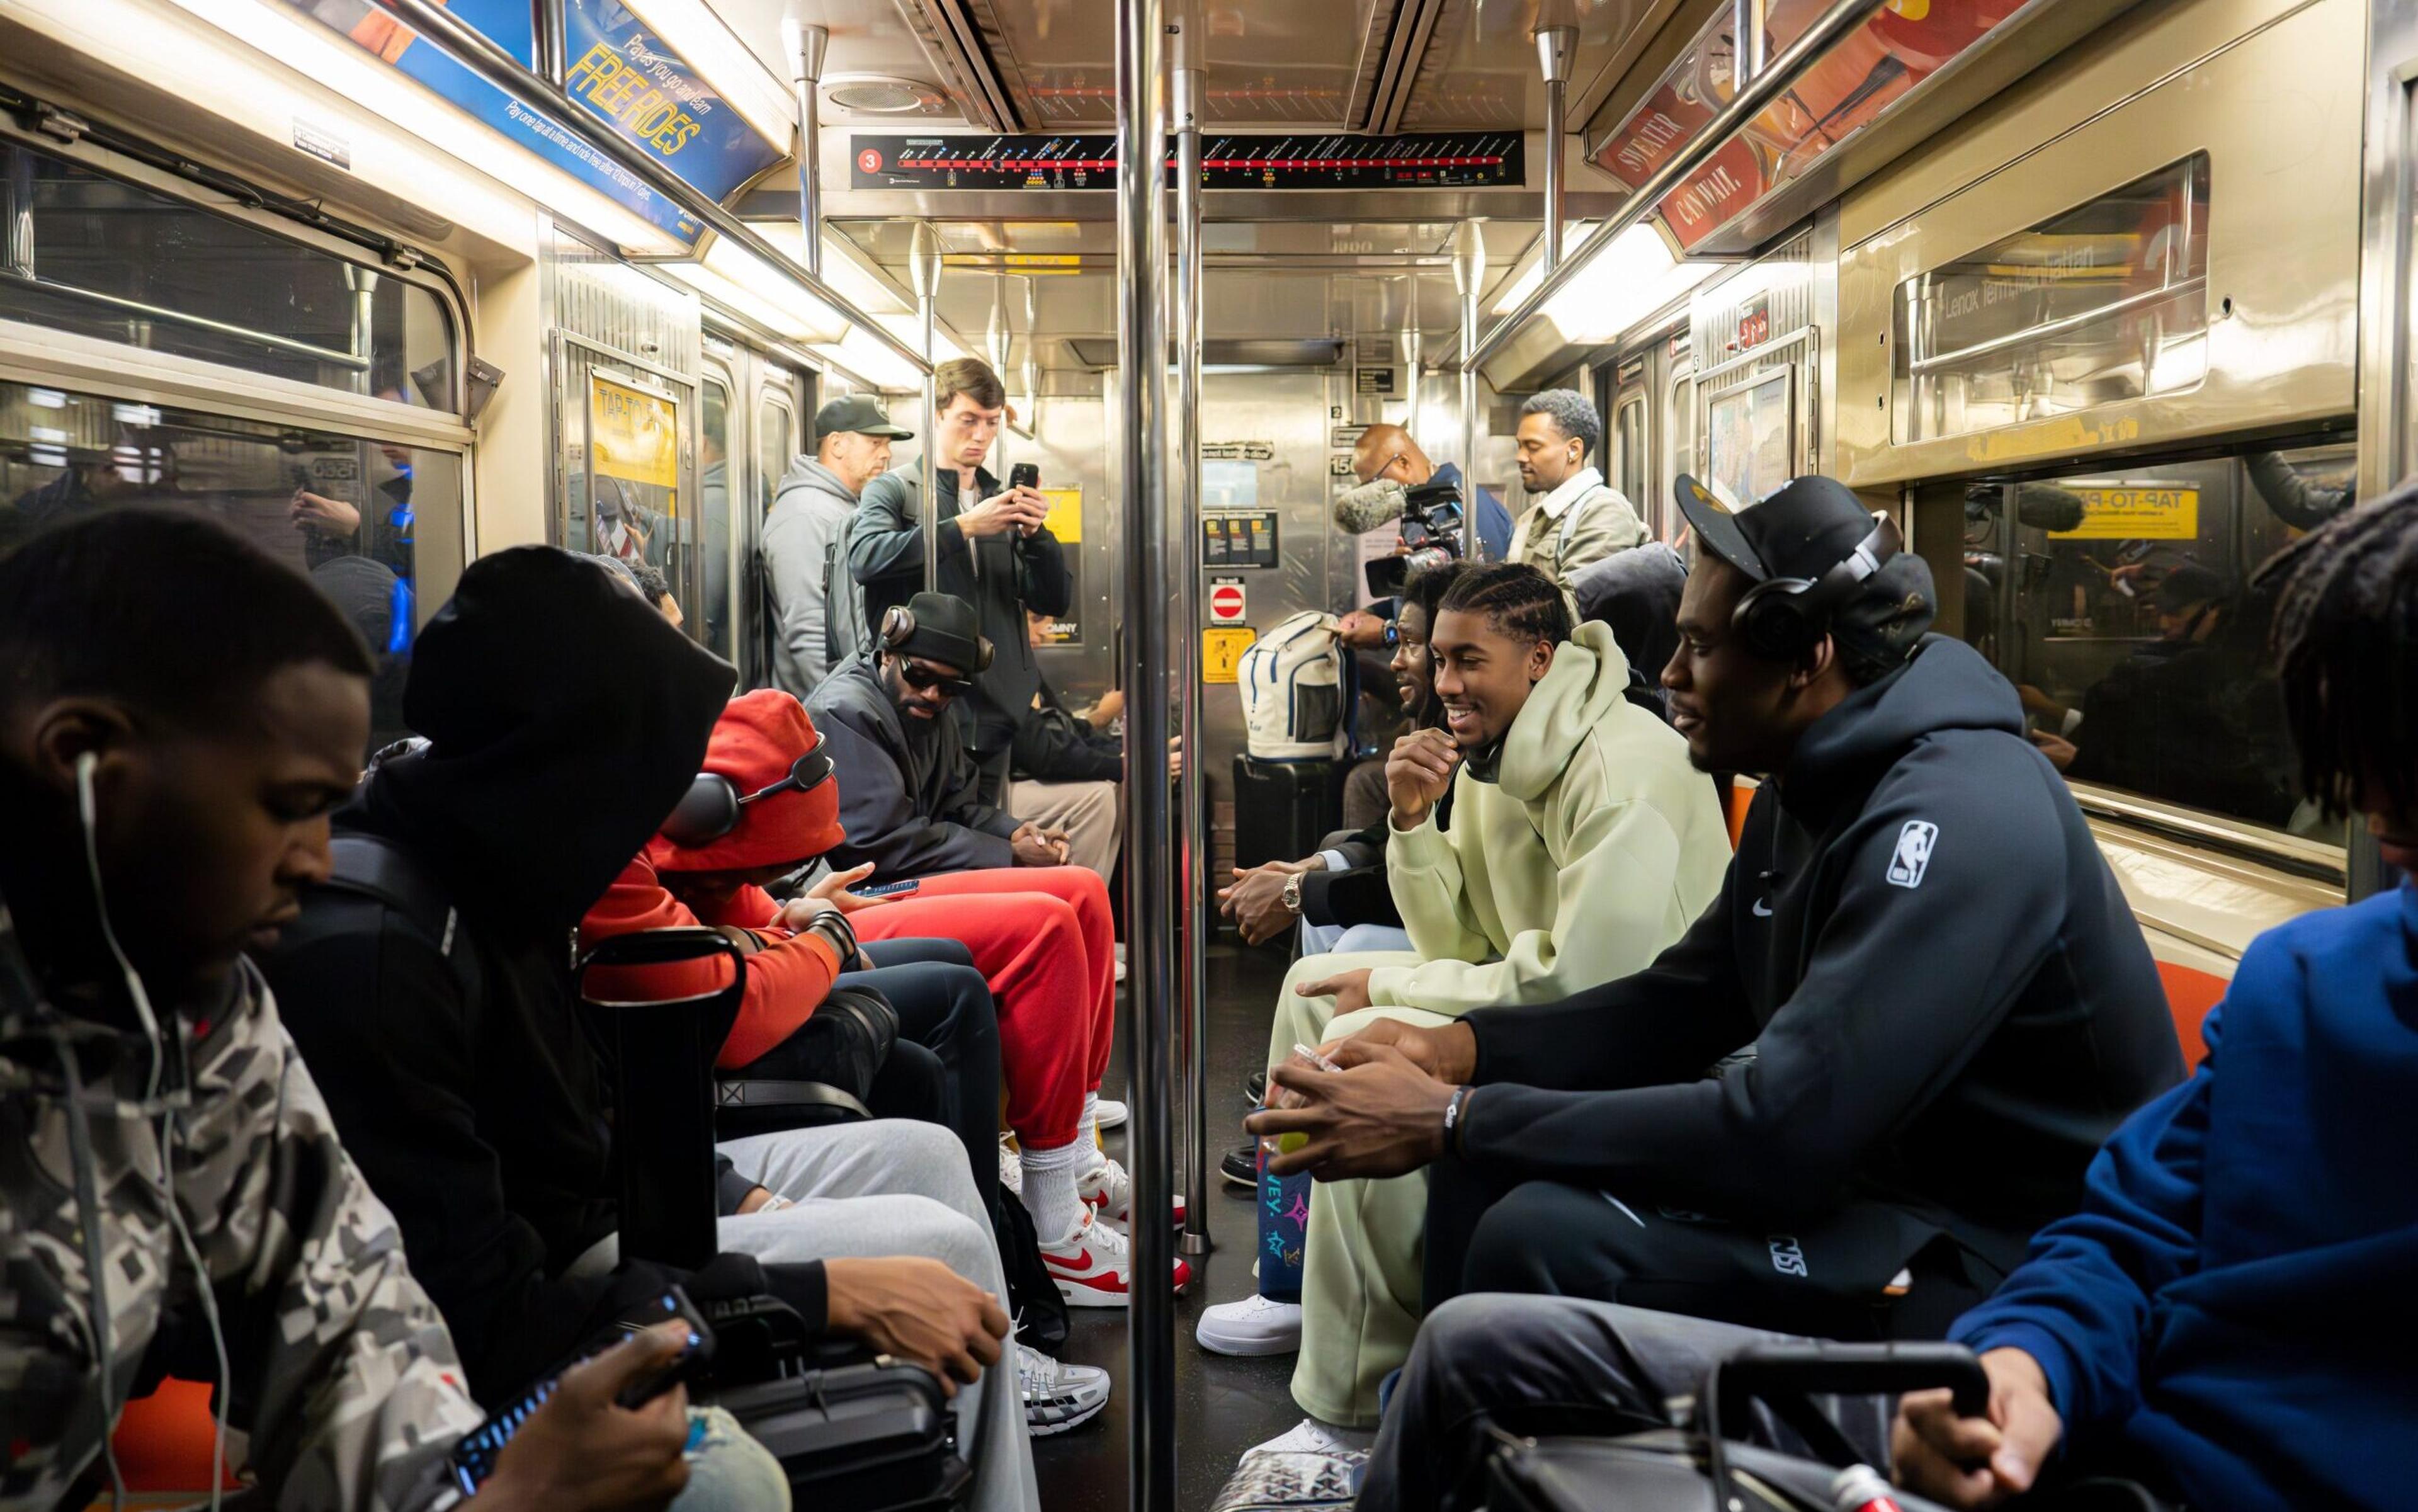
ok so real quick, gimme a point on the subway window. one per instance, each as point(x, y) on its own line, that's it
point(713, 498)
point(348, 511)
point(775, 446)
point(2124, 604)
point(92, 254)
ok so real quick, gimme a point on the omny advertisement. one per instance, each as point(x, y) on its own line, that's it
point(617, 68)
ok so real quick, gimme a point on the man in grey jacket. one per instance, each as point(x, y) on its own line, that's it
point(820, 609)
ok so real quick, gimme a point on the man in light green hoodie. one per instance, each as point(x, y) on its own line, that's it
point(1582, 843)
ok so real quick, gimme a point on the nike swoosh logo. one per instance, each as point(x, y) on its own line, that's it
point(1763, 907)
point(1080, 1262)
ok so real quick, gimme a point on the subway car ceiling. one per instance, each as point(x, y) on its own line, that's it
point(2111, 248)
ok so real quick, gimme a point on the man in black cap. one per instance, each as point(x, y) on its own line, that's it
point(819, 608)
point(1842, 1101)
point(908, 791)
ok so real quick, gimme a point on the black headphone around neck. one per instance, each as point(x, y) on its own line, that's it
point(898, 628)
point(710, 808)
point(1782, 617)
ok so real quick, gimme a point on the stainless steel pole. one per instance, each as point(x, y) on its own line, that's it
point(545, 22)
point(1146, 553)
point(1767, 86)
point(1555, 47)
point(923, 268)
point(806, 46)
point(1194, 853)
point(476, 52)
point(997, 342)
point(1468, 280)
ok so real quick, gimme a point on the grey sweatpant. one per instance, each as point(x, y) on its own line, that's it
point(889, 1187)
point(1534, 1364)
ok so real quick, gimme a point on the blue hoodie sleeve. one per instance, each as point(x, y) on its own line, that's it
point(1868, 1038)
point(2080, 1302)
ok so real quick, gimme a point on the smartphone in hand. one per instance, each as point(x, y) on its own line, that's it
point(886, 890)
point(1024, 475)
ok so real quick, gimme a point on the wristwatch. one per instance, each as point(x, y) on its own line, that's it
point(1293, 893)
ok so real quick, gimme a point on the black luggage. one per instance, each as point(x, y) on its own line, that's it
point(1282, 809)
point(1701, 1470)
point(871, 1437)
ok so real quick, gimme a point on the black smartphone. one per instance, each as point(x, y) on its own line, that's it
point(884, 889)
point(1024, 475)
point(474, 1457)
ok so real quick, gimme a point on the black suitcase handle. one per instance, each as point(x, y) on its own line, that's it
point(1787, 1376)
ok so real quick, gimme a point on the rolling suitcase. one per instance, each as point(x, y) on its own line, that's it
point(1282, 809)
point(871, 1437)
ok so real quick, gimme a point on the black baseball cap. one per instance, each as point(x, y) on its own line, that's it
point(859, 414)
point(1802, 529)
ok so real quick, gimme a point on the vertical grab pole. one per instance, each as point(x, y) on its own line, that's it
point(924, 268)
point(1468, 278)
point(1194, 851)
point(1555, 47)
point(1141, 502)
point(805, 46)
point(545, 26)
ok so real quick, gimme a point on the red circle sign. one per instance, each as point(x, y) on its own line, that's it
point(1225, 603)
point(869, 159)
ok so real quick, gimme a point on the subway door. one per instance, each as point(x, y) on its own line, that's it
point(721, 457)
point(781, 396)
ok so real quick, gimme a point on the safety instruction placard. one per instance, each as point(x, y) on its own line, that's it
point(635, 433)
point(1225, 601)
point(1221, 651)
point(2148, 512)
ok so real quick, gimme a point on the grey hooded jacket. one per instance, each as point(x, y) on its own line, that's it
point(817, 610)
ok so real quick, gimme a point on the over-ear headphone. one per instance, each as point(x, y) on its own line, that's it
point(898, 628)
point(1782, 618)
point(712, 806)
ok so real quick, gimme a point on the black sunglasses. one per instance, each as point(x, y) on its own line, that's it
point(925, 679)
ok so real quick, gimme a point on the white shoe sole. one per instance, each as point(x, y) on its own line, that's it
point(1245, 1347)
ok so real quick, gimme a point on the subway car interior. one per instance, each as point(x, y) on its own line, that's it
point(1907, 493)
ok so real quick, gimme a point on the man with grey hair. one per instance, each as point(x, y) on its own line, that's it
point(1579, 517)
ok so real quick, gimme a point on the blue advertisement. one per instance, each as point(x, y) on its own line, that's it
point(616, 66)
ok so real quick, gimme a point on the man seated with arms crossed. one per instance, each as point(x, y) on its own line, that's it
point(172, 1194)
point(2214, 1321)
point(1579, 518)
point(427, 983)
point(1943, 1002)
point(909, 796)
point(820, 608)
point(1582, 843)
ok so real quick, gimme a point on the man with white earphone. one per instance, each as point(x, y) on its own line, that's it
point(168, 1171)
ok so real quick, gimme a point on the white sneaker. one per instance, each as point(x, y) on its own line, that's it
point(1058, 1397)
point(1112, 1114)
point(1311, 1436)
point(1254, 1325)
point(1094, 1265)
point(1121, 973)
point(1109, 1191)
point(1011, 1167)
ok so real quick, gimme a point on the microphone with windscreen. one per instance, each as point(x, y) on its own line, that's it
point(1368, 506)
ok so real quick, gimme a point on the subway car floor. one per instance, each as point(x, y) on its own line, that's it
point(1222, 1406)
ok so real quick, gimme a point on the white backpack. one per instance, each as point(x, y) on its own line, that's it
point(1293, 691)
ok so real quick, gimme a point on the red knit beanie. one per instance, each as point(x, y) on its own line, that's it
point(756, 740)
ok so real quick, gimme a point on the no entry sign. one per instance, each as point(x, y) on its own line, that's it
point(1225, 602)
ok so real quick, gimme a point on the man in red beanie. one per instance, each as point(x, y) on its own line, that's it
point(765, 805)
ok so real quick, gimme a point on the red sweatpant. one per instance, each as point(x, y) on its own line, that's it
point(1041, 936)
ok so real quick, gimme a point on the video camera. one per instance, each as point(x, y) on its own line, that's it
point(1431, 526)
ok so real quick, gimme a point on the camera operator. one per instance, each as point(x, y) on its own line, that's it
point(1389, 465)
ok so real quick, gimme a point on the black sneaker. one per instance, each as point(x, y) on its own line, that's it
point(1242, 1165)
point(1255, 1088)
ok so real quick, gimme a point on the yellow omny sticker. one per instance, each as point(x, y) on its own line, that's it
point(1066, 520)
point(1222, 651)
point(635, 435)
point(2149, 513)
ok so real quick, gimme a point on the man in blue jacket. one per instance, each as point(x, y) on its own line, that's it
point(2226, 1319)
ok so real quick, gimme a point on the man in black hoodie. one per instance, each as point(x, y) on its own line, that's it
point(563, 718)
point(1919, 969)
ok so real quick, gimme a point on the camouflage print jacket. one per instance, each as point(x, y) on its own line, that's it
point(345, 1388)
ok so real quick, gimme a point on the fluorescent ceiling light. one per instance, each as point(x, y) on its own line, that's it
point(869, 357)
point(1620, 285)
point(846, 270)
point(1532, 267)
point(744, 281)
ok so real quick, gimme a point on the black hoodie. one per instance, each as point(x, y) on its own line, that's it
point(1948, 1002)
point(564, 718)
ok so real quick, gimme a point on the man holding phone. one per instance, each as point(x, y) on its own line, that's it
point(997, 555)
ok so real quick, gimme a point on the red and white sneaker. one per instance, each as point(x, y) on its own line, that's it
point(1093, 1267)
point(1109, 1191)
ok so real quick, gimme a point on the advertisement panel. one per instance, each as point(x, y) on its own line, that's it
point(635, 433)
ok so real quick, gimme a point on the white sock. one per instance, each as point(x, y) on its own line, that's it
point(1049, 1189)
point(1089, 1137)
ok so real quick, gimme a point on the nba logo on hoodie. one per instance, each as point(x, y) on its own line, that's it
point(1913, 855)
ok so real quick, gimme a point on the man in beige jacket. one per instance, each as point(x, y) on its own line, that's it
point(1579, 517)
